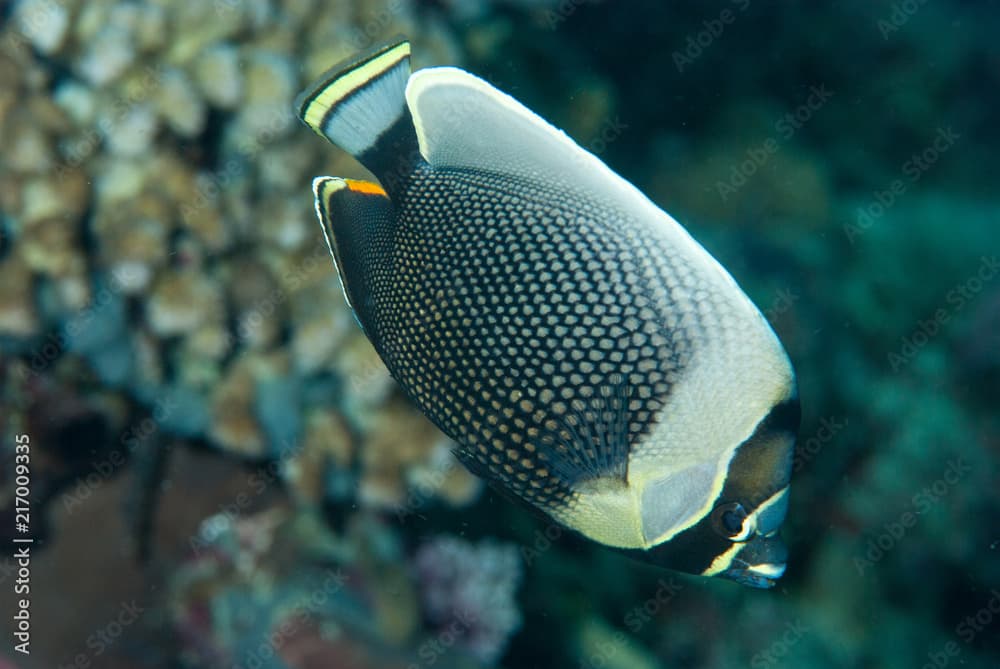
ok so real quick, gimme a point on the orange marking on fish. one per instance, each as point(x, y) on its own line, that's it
point(366, 187)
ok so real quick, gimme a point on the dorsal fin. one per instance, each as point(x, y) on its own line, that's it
point(462, 121)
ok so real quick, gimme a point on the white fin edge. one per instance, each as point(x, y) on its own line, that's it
point(323, 188)
point(353, 109)
point(464, 121)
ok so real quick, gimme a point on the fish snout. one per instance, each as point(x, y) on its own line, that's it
point(759, 563)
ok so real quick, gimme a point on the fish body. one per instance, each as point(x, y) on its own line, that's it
point(585, 353)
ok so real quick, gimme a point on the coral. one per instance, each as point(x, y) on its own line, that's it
point(180, 104)
point(269, 89)
point(100, 333)
point(131, 133)
point(111, 50)
point(259, 305)
point(278, 402)
point(218, 75)
point(234, 425)
point(28, 147)
point(17, 311)
point(284, 224)
point(133, 239)
point(397, 440)
point(470, 589)
point(43, 23)
point(159, 225)
point(49, 246)
point(269, 589)
point(45, 198)
point(321, 323)
point(77, 100)
point(327, 445)
point(365, 375)
point(200, 208)
point(441, 475)
point(154, 218)
point(182, 301)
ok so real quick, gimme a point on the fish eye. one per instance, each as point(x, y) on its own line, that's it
point(729, 520)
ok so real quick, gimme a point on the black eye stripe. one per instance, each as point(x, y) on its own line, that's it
point(784, 416)
point(762, 464)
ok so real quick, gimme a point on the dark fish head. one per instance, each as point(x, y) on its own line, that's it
point(737, 537)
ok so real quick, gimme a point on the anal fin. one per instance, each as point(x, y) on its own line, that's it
point(357, 219)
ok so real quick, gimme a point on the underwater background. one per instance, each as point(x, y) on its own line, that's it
point(222, 472)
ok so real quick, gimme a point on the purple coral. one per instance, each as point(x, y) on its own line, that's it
point(467, 591)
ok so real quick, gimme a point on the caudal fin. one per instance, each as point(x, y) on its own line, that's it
point(360, 105)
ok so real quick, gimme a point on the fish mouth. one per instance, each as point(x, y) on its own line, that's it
point(760, 563)
point(761, 576)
